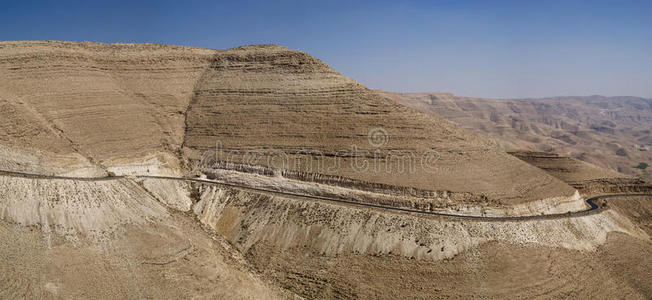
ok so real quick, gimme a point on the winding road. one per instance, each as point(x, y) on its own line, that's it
point(592, 206)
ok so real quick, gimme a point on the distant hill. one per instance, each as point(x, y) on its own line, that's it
point(611, 132)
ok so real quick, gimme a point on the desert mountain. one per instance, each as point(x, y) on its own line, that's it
point(280, 222)
point(89, 108)
point(610, 132)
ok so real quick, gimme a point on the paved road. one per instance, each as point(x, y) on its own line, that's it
point(591, 209)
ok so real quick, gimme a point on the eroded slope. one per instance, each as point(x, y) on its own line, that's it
point(115, 105)
point(91, 108)
point(112, 239)
point(302, 118)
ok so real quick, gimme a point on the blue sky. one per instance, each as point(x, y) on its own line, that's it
point(500, 49)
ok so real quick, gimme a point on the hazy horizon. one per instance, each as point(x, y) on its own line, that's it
point(519, 98)
point(504, 49)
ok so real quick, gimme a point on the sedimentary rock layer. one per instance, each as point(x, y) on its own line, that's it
point(90, 108)
point(248, 219)
point(112, 104)
point(293, 112)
